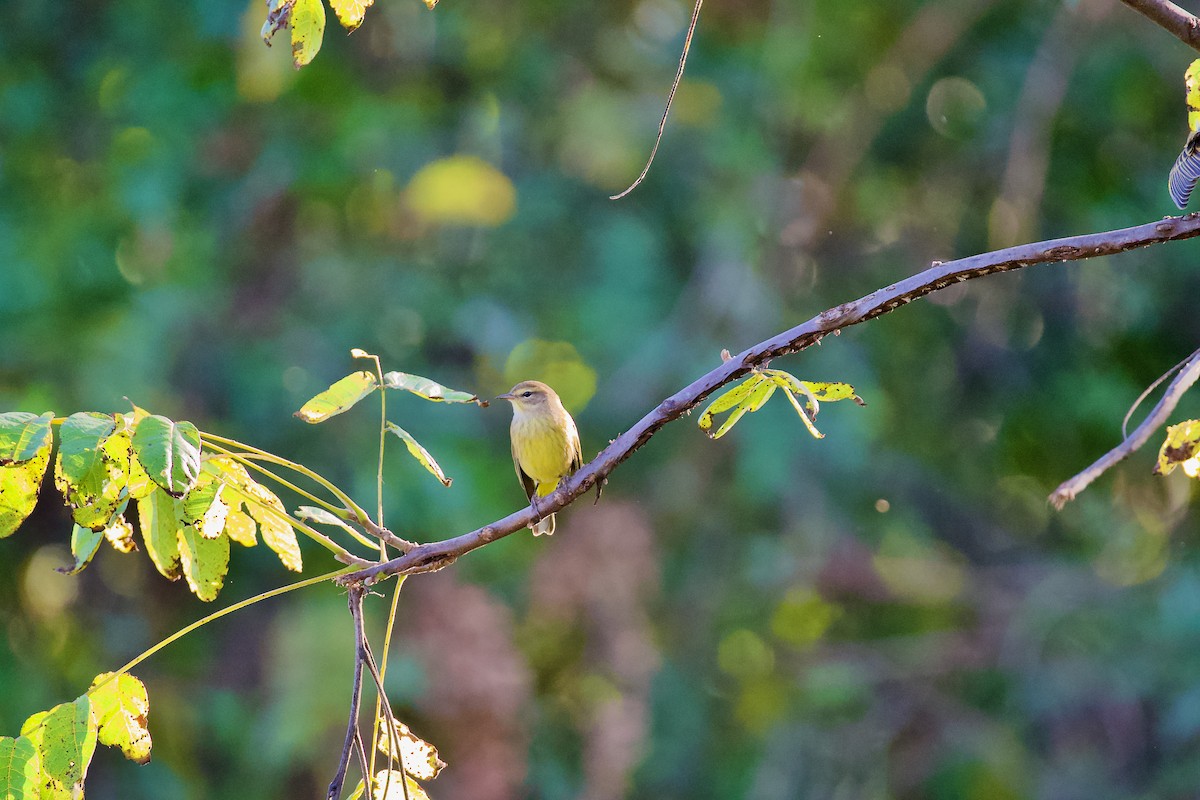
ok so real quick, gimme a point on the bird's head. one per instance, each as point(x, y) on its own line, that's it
point(529, 396)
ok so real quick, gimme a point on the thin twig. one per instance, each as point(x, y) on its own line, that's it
point(427, 557)
point(662, 124)
point(393, 730)
point(354, 598)
point(1171, 17)
point(1187, 376)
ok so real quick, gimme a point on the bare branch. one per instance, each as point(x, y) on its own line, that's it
point(436, 554)
point(352, 734)
point(1189, 372)
point(1172, 18)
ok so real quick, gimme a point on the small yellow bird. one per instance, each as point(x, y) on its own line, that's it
point(545, 443)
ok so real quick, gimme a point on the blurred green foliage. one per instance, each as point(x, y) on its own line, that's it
point(893, 611)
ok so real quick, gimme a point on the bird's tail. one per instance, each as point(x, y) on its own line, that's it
point(1186, 172)
point(544, 525)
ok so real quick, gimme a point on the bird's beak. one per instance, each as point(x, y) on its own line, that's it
point(505, 396)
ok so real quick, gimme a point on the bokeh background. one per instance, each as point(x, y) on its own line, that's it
point(891, 612)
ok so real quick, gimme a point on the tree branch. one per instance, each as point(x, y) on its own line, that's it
point(1189, 373)
point(435, 555)
point(1171, 17)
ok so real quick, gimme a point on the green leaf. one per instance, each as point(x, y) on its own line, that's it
point(727, 401)
point(159, 518)
point(79, 441)
point(205, 562)
point(350, 12)
point(419, 453)
point(274, 524)
point(20, 769)
point(23, 435)
point(120, 706)
point(1180, 447)
point(759, 397)
point(805, 416)
point(730, 421)
point(239, 526)
point(358, 791)
point(204, 508)
point(65, 737)
point(308, 29)
point(429, 390)
point(84, 544)
point(95, 497)
point(19, 486)
point(341, 396)
point(169, 451)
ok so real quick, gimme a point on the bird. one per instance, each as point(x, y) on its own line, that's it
point(545, 443)
point(1186, 171)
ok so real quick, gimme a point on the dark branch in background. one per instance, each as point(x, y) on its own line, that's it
point(353, 738)
point(1171, 17)
point(1189, 372)
point(435, 555)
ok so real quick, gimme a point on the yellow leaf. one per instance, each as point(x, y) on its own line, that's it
point(461, 190)
point(727, 401)
point(1181, 447)
point(120, 706)
point(274, 524)
point(308, 29)
point(419, 757)
point(350, 12)
point(391, 784)
point(205, 562)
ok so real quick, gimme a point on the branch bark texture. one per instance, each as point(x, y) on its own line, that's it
point(1172, 18)
point(434, 555)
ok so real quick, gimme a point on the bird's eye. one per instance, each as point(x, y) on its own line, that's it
point(526, 394)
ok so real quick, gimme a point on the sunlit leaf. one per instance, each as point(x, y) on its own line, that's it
point(805, 416)
point(169, 451)
point(322, 516)
point(84, 544)
point(461, 190)
point(730, 421)
point(831, 392)
point(358, 792)
point(20, 769)
point(19, 487)
point(120, 706)
point(205, 562)
point(419, 757)
point(240, 527)
point(423, 387)
point(159, 517)
point(119, 534)
point(65, 737)
point(1181, 447)
point(350, 12)
point(204, 508)
point(274, 524)
point(23, 435)
point(419, 453)
point(308, 29)
point(390, 784)
point(759, 397)
point(92, 465)
point(341, 396)
point(727, 401)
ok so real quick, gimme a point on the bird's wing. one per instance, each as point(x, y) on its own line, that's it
point(573, 443)
point(1186, 172)
point(527, 483)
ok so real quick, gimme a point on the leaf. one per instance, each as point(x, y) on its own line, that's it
point(205, 562)
point(1181, 447)
point(341, 396)
point(204, 508)
point(158, 517)
point(727, 401)
point(170, 453)
point(19, 487)
point(350, 12)
point(79, 440)
point(23, 435)
point(84, 544)
point(359, 789)
point(119, 533)
point(308, 29)
point(419, 757)
point(65, 737)
point(730, 421)
point(759, 397)
point(274, 524)
point(429, 390)
point(419, 453)
point(20, 768)
point(322, 516)
point(804, 415)
point(389, 784)
point(240, 527)
point(94, 495)
point(120, 706)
